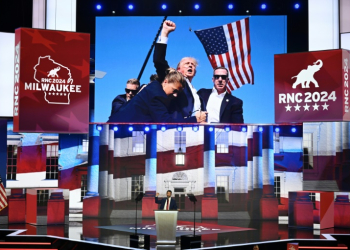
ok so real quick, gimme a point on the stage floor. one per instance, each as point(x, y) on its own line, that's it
point(213, 232)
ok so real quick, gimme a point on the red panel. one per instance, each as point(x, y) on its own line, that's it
point(268, 230)
point(342, 214)
point(309, 86)
point(148, 207)
point(56, 230)
point(31, 159)
point(31, 206)
point(52, 81)
point(327, 210)
point(323, 169)
point(17, 210)
point(55, 211)
point(91, 206)
point(269, 208)
point(90, 228)
point(209, 208)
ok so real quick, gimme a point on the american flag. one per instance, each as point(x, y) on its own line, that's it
point(229, 46)
point(3, 197)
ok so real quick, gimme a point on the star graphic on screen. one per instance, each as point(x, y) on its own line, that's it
point(288, 108)
point(315, 106)
point(297, 107)
point(325, 106)
point(306, 107)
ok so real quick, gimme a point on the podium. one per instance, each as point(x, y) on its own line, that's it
point(166, 222)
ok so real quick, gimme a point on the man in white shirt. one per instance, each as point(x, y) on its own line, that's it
point(188, 102)
point(221, 106)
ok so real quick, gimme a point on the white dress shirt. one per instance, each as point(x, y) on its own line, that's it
point(166, 204)
point(214, 105)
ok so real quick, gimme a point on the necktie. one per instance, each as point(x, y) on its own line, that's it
point(167, 204)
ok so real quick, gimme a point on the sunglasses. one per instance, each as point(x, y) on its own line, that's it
point(223, 77)
point(134, 92)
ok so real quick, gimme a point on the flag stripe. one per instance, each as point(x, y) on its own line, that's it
point(235, 52)
point(229, 46)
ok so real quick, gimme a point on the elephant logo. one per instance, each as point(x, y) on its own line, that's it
point(307, 75)
point(53, 72)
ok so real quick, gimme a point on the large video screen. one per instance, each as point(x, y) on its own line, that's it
point(122, 44)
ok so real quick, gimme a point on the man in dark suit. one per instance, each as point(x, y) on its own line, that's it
point(221, 106)
point(188, 101)
point(131, 89)
point(167, 203)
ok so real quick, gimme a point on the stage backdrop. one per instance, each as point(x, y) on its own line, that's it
point(51, 88)
point(122, 44)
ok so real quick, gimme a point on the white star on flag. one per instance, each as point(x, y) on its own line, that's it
point(306, 107)
point(297, 107)
point(325, 106)
point(288, 107)
point(315, 106)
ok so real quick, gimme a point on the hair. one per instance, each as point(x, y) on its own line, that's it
point(153, 77)
point(172, 75)
point(133, 81)
point(220, 68)
point(192, 58)
point(169, 191)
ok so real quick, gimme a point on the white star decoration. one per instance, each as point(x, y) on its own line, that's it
point(315, 106)
point(288, 107)
point(297, 107)
point(325, 106)
point(306, 107)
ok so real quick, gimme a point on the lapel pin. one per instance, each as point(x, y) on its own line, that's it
point(226, 100)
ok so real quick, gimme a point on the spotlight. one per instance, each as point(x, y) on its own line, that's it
point(230, 6)
point(195, 128)
point(164, 6)
point(261, 129)
point(130, 7)
point(211, 129)
point(131, 128)
point(263, 6)
point(296, 6)
point(99, 127)
point(179, 128)
point(244, 129)
point(294, 130)
point(98, 7)
point(146, 129)
point(227, 128)
point(115, 128)
point(196, 6)
point(163, 128)
point(277, 130)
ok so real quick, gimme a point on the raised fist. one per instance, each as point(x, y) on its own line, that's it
point(168, 26)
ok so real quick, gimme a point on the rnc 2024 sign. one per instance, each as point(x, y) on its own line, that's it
point(51, 88)
point(312, 86)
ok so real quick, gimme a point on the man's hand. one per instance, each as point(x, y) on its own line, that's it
point(201, 116)
point(168, 26)
point(157, 194)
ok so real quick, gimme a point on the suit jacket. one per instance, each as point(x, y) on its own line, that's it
point(184, 102)
point(117, 102)
point(162, 203)
point(149, 105)
point(231, 110)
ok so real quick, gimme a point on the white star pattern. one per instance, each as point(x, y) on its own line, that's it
point(306, 107)
point(297, 107)
point(315, 106)
point(325, 106)
point(288, 107)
